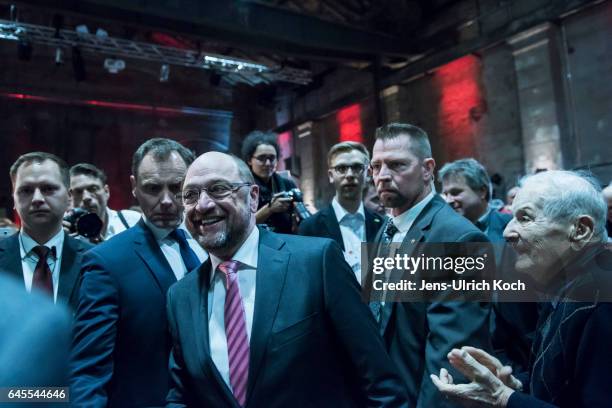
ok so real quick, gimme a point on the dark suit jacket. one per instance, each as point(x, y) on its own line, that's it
point(325, 225)
point(419, 335)
point(121, 345)
point(513, 323)
point(34, 338)
point(572, 356)
point(313, 342)
point(70, 269)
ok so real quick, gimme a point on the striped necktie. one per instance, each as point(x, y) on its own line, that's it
point(235, 332)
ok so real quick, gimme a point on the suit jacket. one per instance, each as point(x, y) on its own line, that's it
point(419, 335)
point(34, 338)
point(571, 355)
point(324, 224)
point(313, 342)
point(121, 345)
point(70, 268)
point(513, 323)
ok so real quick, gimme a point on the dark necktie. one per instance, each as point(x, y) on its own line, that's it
point(190, 259)
point(42, 279)
point(384, 249)
point(235, 332)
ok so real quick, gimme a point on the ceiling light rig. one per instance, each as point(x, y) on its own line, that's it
point(251, 72)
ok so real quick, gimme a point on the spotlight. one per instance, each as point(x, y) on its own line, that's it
point(113, 66)
point(78, 65)
point(164, 73)
point(59, 56)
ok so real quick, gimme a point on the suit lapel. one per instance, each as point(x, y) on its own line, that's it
point(199, 314)
point(328, 216)
point(409, 245)
point(271, 271)
point(70, 268)
point(10, 257)
point(151, 254)
point(372, 225)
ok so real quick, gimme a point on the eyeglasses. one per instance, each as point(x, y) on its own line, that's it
point(216, 191)
point(263, 158)
point(342, 169)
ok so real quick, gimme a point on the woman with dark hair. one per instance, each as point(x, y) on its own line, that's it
point(261, 151)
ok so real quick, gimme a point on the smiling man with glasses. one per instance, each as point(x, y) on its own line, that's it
point(268, 309)
point(346, 220)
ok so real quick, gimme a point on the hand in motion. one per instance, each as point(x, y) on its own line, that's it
point(491, 383)
point(280, 203)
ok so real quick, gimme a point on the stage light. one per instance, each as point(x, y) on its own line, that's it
point(113, 65)
point(59, 56)
point(164, 73)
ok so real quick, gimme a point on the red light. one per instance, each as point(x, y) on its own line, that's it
point(461, 103)
point(349, 122)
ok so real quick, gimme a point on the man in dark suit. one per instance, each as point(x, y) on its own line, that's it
point(559, 234)
point(121, 346)
point(270, 320)
point(465, 186)
point(346, 220)
point(418, 335)
point(42, 255)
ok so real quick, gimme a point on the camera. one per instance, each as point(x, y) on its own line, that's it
point(298, 202)
point(84, 223)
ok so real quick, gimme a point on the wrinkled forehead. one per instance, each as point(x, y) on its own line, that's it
point(399, 147)
point(84, 180)
point(531, 195)
point(206, 170)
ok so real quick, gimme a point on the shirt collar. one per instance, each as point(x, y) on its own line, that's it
point(246, 255)
point(162, 233)
point(28, 243)
point(484, 218)
point(341, 211)
point(404, 221)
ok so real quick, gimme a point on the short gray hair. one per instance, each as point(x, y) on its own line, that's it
point(473, 172)
point(566, 195)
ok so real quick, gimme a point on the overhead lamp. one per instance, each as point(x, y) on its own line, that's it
point(113, 65)
point(164, 73)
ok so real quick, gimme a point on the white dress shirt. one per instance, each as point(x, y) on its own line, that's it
point(247, 256)
point(352, 228)
point(29, 259)
point(171, 249)
point(404, 221)
point(115, 225)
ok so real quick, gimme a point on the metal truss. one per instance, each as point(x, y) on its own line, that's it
point(239, 70)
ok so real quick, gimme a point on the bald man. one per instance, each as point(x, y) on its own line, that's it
point(277, 310)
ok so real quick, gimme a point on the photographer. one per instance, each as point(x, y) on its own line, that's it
point(260, 150)
point(90, 194)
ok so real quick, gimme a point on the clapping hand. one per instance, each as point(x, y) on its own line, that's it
point(491, 382)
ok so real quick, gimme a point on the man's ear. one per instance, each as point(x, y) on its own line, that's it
point(133, 183)
point(582, 232)
point(254, 195)
point(329, 175)
point(429, 164)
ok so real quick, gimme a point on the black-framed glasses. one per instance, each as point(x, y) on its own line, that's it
point(342, 169)
point(216, 191)
point(263, 158)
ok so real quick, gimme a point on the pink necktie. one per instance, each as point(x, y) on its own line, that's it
point(236, 333)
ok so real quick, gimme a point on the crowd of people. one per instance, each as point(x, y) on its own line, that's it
point(220, 292)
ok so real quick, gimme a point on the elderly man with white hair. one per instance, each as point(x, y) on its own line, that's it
point(559, 234)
